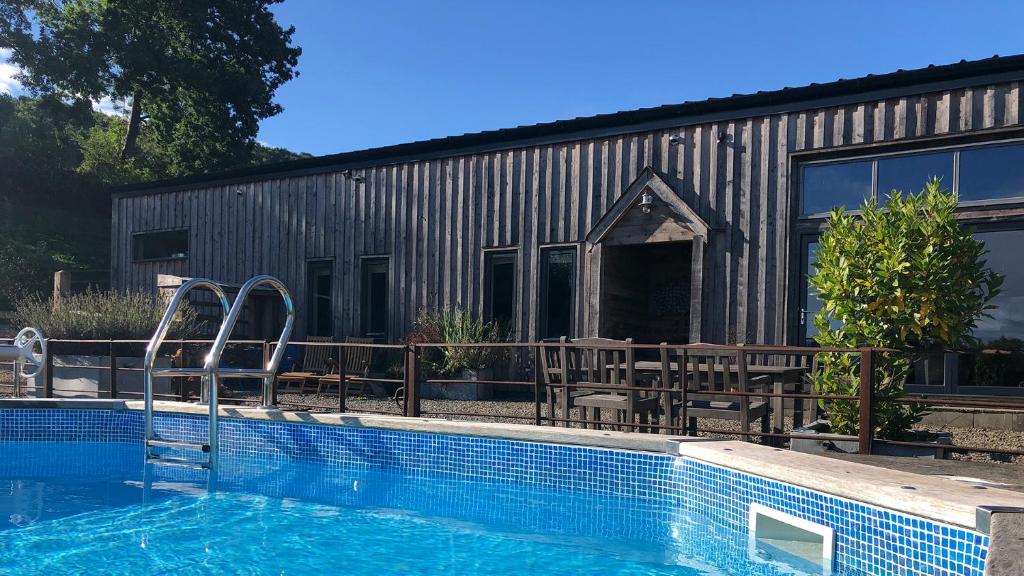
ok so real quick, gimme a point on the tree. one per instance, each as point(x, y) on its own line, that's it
point(199, 74)
point(52, 216)
point(906, 276)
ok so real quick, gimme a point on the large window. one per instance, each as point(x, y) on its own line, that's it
point(162, 245)
point(836, 184)
point(991, 172)
point(375, 298)
point(1006, 321)
point(500, 287)
point(909, 173)
point(975, 173)
point(319, 301)
point(557, 292)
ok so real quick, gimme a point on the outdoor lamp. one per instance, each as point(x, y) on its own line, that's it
point(646, 201)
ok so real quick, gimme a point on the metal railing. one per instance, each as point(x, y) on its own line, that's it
point(406, 375)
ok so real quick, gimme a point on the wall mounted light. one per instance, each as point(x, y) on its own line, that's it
point(353, 177)
point(646, 201)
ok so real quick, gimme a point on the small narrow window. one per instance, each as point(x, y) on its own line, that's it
point(500, 287)
point(557, 292)
point(319, 302)
point(162, 245)
point(375, 298)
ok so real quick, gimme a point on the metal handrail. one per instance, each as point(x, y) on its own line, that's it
point(157, 340)
point(269, 372)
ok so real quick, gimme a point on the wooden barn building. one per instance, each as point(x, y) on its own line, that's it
point(687, 222)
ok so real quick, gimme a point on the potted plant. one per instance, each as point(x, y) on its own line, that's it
point(95, 315)
point(906, 276)
point(467, 364)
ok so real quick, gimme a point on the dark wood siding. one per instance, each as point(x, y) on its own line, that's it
point(435, 217)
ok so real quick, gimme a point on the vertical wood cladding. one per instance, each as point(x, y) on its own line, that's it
point(434, 218)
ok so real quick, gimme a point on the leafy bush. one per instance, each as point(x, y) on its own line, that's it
point(457, 326)
point(904, 275)
point(104, 315)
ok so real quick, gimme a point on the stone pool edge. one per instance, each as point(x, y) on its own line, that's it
point(998, 513)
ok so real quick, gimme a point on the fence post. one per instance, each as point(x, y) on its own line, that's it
point(342, 378)
point(412, 389)
point(538, 386)
point(183, 381)
point(866, 425)
point(113, 369)
point(48, 371)
point(270, 383)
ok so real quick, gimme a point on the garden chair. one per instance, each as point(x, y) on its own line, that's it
point(356, 361)
point(555, 372)
point(699, 372)
point(607, 362)
point(314, 364)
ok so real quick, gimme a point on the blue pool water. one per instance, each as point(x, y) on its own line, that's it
point(94, 508)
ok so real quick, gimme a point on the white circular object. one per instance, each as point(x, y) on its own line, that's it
point(27, 340)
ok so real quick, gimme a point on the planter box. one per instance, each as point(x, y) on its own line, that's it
point(461, 391)
point(828, 442)
point(74, 376)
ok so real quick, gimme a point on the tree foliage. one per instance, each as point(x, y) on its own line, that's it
point(199, 74)
point(197, 77)
point(904, 275)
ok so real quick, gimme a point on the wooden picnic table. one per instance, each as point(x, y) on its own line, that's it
point(783, 377)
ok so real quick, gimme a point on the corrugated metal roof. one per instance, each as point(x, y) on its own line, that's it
point(624, 121)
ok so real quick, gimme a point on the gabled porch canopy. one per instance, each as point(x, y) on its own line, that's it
point(677, 220)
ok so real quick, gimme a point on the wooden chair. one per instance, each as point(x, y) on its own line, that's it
point(555, 373)
point(314, 364)
point(356, 361)
point(700, 372)
point(602, 361)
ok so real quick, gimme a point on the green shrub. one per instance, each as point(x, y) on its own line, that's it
point(904, 275)
point(457, 326)
point(104, 315)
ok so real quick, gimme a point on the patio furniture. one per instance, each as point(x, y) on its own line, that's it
point(355, 365)
point(314, 364)
point(698, 373)
point(601, 362)
point(555, 373)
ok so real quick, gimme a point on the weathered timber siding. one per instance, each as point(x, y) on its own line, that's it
point(434, 218)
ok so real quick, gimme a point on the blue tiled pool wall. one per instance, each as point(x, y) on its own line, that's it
point(17, 424)
point(868, 539)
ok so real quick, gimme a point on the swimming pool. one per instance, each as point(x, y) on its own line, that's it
point(303, 498)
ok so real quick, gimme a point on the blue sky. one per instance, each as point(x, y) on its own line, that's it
point(386, 72)
point(391, 71)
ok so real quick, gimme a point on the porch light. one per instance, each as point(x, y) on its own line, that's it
point(646, 201)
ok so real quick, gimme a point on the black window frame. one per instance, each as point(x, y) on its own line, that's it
point(861, 155)
point(314, 268)
point(491, 258)
point(543, 259)
point(370, 265)
point(139, 237)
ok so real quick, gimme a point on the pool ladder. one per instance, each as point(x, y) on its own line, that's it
point(211, 372)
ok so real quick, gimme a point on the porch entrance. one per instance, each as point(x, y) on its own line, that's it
point(645, 292)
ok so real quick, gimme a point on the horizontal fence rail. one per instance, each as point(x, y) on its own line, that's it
point(754, 392)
